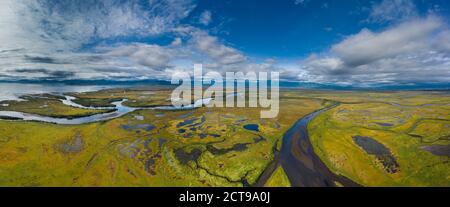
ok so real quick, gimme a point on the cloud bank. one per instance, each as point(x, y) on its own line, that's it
point(412, 50)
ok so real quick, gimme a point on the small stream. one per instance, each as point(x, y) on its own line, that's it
point(120, 110)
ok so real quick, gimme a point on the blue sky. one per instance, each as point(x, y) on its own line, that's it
point(352, 42)
point(268, 28)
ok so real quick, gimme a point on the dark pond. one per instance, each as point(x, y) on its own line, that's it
point(252, 127)
point(184, 157)
point(72, 146)
point(385, 124)
point(258, 139)
point(439, 150)
point(146, 127)
point(237, 147)
point(149, 164)
point(187, 122)
point(162, 141)
point(381, 152)
point(214, 135)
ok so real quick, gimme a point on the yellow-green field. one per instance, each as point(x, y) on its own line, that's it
point(160, 148)
point(211, 147)
point(405, 123)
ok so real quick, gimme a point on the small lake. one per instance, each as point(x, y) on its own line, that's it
point(381, 152)
point(252, 127)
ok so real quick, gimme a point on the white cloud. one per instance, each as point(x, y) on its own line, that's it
point(325, 64)
point(299, 2)
point(367, 46)
point(68, 24)
point(393, 10)
point(152, 56)
point(176, 42)
point(220, 53)
point(46, 36)
point(205, 18)
point(442, 41)
point(413, 51)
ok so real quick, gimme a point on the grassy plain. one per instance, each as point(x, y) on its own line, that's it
point(137, 97)
point(202, 147)
point(211, 147)
point(278, 179)
point(406, 123)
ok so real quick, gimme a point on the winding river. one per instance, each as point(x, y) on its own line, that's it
point(119, 110)
point(299, 161)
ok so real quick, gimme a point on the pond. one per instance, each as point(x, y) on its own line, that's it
point(381, 152)
point(252, 127)
point(438, 150)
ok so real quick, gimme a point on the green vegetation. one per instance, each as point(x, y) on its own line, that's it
point(278, 179)
point(403, 129)
point(136, 97)
point(431, 130)
point(202, 147)
point(211, 147)
point(96, 102)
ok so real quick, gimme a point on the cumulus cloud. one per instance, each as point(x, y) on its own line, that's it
point(47, 37)
point(410, 52)
point(68, 24)
point(367, 46)
point(214, 49)
point(442, 41)
point(57, 35)
point(153, 56)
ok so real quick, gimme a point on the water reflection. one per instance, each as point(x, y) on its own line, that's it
point(120, 111)
point(13, 91)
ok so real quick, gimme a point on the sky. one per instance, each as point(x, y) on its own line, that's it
point(346, 43)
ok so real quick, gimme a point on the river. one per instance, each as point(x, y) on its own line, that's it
point(301, 164)
point(119, 110)
point(297, 157)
